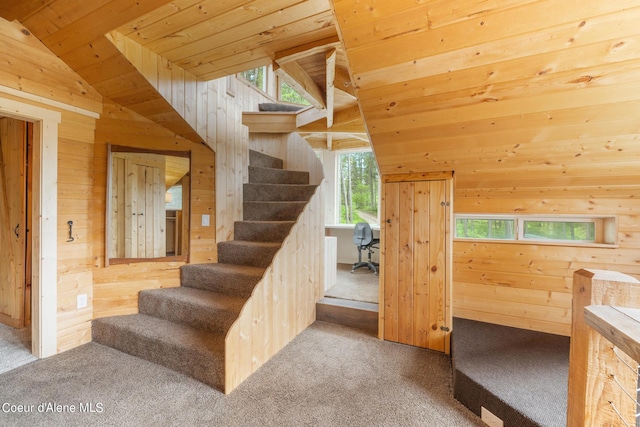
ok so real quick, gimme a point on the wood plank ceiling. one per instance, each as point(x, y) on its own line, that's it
point(208, 38)
point(464, 85)
point(509, 93)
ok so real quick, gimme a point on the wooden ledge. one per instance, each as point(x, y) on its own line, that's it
point(619, 325)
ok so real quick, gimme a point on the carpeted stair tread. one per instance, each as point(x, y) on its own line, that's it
point(184, 328)
point(262, 231)
point(272, 211)
point(258, 254)
point(262, 160)
point(258, 175)
point(230, 279)
point(195, 352)
point(277, 192)
point(194, 307)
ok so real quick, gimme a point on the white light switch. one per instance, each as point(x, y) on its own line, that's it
point(205, 220)
point(82, 301)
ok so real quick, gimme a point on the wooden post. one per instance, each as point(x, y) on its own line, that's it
point(592, 361)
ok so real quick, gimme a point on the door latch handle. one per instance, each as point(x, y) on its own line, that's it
point(17, 230)
point(70, 224)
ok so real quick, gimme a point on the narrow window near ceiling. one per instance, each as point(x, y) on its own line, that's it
point(548, 229)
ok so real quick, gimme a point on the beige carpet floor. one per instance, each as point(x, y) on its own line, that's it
point(328, 376)
point(15, 348)
point(361, 285)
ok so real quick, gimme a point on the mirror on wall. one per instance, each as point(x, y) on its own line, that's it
point(148, 202)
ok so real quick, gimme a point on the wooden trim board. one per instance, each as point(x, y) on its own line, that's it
point(45, 215)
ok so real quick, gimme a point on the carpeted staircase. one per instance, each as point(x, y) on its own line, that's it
point(184, 328)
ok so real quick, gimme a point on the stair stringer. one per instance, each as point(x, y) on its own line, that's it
point(283, 303)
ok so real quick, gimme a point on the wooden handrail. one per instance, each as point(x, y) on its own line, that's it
point(619, 325)
point(597, 371)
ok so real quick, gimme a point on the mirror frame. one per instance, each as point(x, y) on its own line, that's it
point(126, 149)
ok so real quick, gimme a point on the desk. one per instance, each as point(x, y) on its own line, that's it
point(347, 253)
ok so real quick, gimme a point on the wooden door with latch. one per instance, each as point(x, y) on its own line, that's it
point(13, 136)
point(416, 268)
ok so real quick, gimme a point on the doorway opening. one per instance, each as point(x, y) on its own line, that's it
point(16, 147)
point(38, 204)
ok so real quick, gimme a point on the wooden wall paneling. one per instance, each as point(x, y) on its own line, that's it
point(390, 252)
point(75, 264)
point(116, 287)
point(537, 276)
point(177, 86)
point(232, 143)
point(202, 110)
point(54, 80)
point(46, 89)
point(422, 262)
point(406, 266)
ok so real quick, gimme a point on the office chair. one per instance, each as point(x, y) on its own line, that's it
point(363, 239)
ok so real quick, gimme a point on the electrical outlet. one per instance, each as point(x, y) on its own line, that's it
point(205, 220)
point(82, 301)
point(490, 419)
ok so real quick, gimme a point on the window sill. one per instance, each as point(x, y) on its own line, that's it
point(348, 226)
point(539, 243)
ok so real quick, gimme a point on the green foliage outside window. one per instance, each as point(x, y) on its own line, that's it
point(506, 229)
point(560, 230)
point(359, 188)
point(289, 94)
point(256, 77)
point(485, 228)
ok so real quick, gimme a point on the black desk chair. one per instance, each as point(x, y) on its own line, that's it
point(364, 241)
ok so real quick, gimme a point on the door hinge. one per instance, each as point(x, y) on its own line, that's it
point(444, 328)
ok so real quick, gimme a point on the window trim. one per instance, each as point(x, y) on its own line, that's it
point(606, 229)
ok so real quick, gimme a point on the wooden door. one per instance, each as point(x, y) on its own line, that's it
point(416, 264)
point(12, 221)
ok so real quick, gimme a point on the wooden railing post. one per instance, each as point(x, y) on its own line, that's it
point(592, 361)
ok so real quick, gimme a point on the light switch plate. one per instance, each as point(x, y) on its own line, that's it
point(205, 220)
point(82, 301)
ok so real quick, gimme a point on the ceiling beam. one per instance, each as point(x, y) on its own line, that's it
point(344, 121)
point(307, 49)
point(309, 115)
point(330, 63)
point(20, 10)
point(296, 77)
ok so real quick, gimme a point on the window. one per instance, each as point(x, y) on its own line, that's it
point(485, 228)
point(289, 94)
point(548, 229)
point(574, 231)
point(257, 77)
point(358, 188)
